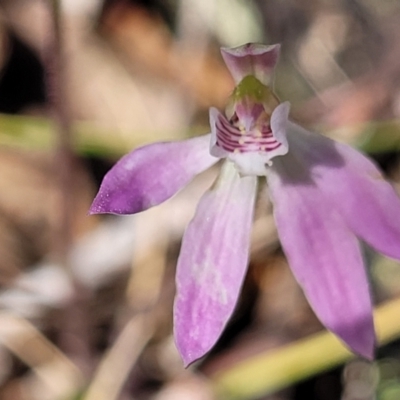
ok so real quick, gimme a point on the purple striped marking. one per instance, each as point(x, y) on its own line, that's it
point(231, 139)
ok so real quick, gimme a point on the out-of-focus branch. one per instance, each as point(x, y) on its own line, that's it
point(73, 323)
point(55, 84)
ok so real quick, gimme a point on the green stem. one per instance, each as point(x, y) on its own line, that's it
point(276, 369)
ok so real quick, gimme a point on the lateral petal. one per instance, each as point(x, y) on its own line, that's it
point(212, 263)
point(366, 201)
point(151, 174)
point(323, 254)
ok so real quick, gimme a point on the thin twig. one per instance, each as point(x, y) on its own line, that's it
point(59, 375)
point(120, 358)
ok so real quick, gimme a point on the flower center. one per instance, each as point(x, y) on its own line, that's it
point(253, 130)
point(247, 127)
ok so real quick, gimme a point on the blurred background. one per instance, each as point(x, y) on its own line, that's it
point(86, 302)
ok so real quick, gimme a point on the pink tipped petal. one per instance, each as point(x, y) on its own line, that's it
point(323, 254)
point(212, 263)
point(367, 202)
point(252, 59)
point(151, 174)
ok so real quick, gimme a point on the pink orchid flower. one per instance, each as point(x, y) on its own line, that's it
point(326, 196)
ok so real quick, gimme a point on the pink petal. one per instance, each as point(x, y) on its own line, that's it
point(252, 59)
point(151, 174)
point(213, 262)
point(323, 254)
point(366, 201)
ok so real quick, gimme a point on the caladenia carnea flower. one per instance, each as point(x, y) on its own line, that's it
point(326, 197)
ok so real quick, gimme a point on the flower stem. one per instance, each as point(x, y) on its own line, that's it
point(276, 369)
